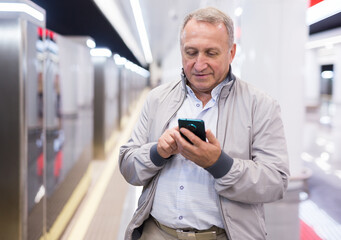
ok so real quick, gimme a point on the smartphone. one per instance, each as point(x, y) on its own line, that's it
point(197, 126)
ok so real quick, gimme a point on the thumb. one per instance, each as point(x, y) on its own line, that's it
point(211, 138)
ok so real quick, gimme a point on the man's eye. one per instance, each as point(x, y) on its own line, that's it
point(191, 53)
point(212, 53)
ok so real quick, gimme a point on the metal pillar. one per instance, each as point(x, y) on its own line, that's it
point(16, 26)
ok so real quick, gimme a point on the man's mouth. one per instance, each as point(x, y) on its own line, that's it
point(201, 74)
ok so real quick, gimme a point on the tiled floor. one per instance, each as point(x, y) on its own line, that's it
point(322, 154)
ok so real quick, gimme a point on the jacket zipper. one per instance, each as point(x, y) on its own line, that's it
point(164, 127)
point(220, 203)
point(144, 205)
point(148, 198)
point(224, 219)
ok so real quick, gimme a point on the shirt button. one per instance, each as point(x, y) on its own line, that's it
point(198, 105)
point(181, 217)
point(181, 187)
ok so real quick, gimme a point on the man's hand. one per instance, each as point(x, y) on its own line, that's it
point(204, 154)
point(166, 145)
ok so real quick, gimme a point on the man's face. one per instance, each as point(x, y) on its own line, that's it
point(205, 54)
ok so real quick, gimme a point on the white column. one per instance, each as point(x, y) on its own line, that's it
point(85, 79)
point(156, 73)
point(69, 68)
point(337, 75)
point(171, 64)
point(337, 91)
point(273, 37)
point(312, 79)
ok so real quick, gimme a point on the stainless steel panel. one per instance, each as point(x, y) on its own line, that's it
point(11, 129)
point(34, 172)
point(99, 108)
point(20, 129)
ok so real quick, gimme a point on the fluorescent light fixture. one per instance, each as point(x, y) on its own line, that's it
point(112, 11)
point(129, 65)
point(119, 60)
point(141, 71)
point(327, 74)
point(136, 69)
point(22, 7)
point(322, 10)
point(100, 52)
point(90, 43)
point(135, 4)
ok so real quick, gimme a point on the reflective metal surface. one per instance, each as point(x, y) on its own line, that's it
point(12, 128)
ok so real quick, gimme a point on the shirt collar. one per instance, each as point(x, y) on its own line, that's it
point(215, 91)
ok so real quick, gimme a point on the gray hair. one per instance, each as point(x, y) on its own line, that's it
point(214, 16)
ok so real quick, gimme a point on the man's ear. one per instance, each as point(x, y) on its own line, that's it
point(233, 52)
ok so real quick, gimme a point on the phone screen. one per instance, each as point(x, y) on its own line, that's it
point(197, 126)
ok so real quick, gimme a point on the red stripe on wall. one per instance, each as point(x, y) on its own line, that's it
point(314, 2)
point(308, 233)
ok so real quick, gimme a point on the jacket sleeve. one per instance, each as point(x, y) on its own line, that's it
point(264, 177)
point(135, 162)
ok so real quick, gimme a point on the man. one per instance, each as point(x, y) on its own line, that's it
point(213, 189)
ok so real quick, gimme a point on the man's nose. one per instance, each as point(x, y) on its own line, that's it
point(200, 63)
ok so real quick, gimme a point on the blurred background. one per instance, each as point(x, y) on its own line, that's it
point(74, 75)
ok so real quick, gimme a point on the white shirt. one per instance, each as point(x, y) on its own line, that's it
point(185, 195)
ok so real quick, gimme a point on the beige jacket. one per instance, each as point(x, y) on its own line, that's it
point(254, 158)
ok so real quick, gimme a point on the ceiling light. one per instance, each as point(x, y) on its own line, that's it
point(137, 69)
point(100, 52)
point(327, 74)
point(22, 7)
point(113, 13)
point(119, 60)
point(135, 4)
point(90, 43)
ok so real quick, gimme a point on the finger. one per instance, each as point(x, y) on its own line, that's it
point(181, 142)
point(175, 134)
point(179, 139)
point(171, 143)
